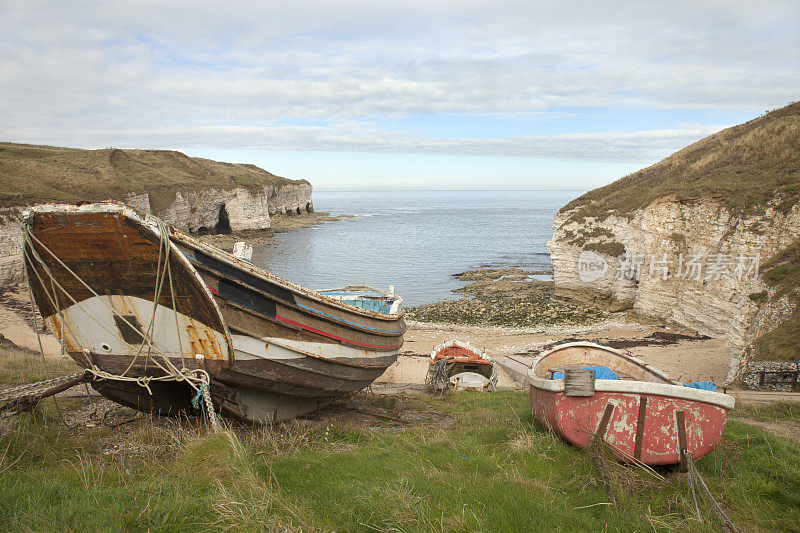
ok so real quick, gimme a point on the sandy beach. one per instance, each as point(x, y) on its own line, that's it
point(683, 358)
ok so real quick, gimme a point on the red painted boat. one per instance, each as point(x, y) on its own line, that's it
point(643, 415)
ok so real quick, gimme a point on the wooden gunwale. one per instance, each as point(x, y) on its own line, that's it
point(298, 309)
point(288, 325)
point(288, 285)
point(664, 387)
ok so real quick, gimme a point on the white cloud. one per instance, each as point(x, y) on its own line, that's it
point(208, 75)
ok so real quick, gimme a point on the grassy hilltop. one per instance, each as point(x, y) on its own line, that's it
point(32, 174)
point(743, 167)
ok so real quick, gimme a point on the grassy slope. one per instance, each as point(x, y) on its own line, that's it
point(782, 274)
point(495, 470)
point(743, 167)
point(25, 366)
point(31, 174)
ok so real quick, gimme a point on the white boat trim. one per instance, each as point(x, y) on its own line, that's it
point(90, 325)
point(462, 344)
point(672, 389)
point(249, 347)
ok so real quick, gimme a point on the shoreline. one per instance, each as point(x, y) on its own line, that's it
point(278, 224)
point(681, 354)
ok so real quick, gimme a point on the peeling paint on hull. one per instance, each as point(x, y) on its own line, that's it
point(647, 416)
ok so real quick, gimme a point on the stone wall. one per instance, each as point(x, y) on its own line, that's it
point(772, 375)
point(660, 235)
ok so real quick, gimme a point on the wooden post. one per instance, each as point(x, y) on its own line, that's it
point(601, 428)
point(682, 444)
point(637, 449)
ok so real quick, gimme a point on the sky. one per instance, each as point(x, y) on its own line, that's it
point(398, 95)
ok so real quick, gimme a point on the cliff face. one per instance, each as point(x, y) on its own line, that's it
point(218, 210)
point(10, 247)
point(686, 241)
point(202, 211)
point(692, 264)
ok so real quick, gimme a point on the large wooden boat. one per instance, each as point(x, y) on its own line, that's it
point(129, 297)
point(643, 415)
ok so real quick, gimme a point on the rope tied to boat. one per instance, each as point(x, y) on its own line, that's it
point(696, 482)
point(438, 378)
point(202, 402)
point(197, 379)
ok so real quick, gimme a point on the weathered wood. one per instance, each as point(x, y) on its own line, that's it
point(299, 349)
point(578, 382)
point(27, 403)
point(637, 448)
point(601, 428)
point(682, 442)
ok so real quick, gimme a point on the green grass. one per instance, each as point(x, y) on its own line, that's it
point(495, 470)
point(32, 174)
point(771, 412)
point(743, 167)
point(18, 366)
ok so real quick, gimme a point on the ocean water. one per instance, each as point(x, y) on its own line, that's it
point(416, 240)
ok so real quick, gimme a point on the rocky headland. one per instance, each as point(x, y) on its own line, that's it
point(193, 194)
point(706, 239)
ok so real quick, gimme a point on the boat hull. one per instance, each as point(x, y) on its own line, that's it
point(273, 350)
point(640, 426)
point(643, 415)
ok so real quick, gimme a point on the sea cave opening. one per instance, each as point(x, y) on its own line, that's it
point(223, 222)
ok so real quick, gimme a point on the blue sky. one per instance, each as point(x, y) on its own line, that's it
point(363, 95)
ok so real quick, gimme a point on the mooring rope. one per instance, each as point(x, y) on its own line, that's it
point(31, 389)
point(696, 480)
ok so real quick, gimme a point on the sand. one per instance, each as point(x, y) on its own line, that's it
point(686, 360)
point(16, 323)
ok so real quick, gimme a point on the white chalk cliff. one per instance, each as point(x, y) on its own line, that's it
point(679, 243)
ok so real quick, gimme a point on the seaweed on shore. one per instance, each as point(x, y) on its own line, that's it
point(507, 298)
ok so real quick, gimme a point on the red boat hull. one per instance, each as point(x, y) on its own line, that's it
point(640, 426)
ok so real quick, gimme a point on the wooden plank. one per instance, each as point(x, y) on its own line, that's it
point(601, 429)
point(637, 450)
point(578, 382)
point(682, 443)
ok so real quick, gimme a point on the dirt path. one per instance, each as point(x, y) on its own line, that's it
point(782, 429)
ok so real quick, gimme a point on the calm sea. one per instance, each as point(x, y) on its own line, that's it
point(415, 240)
